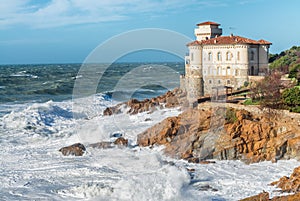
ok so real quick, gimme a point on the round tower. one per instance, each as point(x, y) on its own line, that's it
point(193, 72)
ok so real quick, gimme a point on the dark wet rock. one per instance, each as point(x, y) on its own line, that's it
point(116, 135)
point(77, 149)
point(206, 188)
point(102, 145)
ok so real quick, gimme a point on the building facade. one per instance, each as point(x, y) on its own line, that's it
point(215, 60)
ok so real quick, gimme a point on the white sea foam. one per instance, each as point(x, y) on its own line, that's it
point(32, 168)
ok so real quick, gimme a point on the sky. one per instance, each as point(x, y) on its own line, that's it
point(67, 31)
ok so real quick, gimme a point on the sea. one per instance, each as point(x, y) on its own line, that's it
point(44, 107)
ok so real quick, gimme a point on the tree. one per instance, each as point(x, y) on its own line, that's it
point(267, 91)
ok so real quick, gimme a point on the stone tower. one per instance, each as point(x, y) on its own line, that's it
point(193, 80)
point(193, 72)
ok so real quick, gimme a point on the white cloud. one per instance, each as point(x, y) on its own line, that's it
point(55, 13)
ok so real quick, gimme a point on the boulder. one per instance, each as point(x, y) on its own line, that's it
point(77, 149)
point(101, 145)
point(121, 142)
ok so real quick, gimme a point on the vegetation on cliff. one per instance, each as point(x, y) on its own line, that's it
point(287, 61)
point(273, 92)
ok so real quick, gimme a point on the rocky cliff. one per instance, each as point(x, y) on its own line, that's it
point(226, 133)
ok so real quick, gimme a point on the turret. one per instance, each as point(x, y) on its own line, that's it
point(207, 30)
point(193, 70)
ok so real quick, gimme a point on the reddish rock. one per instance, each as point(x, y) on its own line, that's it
point(121, 141)
point(77, 149)
point(289, 184)
point(170, 99)
point(224, 134)
point(264, 196)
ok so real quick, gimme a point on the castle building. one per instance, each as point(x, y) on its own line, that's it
point(215, 60)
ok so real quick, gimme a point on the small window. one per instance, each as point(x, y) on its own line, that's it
point(209, 56)
point(228, 56)
point(219, 57)
point(252, 55)
point(238, 56)
point(219, 70)
point(228, 71)
point(228, 82)
point(219, 81)
point(192, 56)
point(209, 81)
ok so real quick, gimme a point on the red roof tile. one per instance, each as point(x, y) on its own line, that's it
point(225, 40)
point(208, 23)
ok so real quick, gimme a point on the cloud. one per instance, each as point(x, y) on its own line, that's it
point(56, 13)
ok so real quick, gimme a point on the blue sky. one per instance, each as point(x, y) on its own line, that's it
point(62, 31)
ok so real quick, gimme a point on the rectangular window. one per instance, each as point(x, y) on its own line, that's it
point(192, 56)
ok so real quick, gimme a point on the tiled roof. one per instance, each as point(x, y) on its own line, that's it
point(225, 40)
point(208, 23)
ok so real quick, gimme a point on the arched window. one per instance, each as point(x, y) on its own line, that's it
point(209, 56)
point(228, 56)
point(228, 70)
point(251, 55)
point(219, 69)
point(219, 56)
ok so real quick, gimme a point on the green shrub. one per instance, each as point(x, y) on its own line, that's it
point(251, 102)
point(291, 96)
point(230, 116)
point(295, 109)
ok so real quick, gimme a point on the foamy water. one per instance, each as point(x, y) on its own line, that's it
point(32, 168)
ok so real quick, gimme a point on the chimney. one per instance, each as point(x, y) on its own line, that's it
point(231, 34)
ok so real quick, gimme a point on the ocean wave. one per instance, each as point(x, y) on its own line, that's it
point(23, 74)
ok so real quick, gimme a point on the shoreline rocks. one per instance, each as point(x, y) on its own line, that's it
point(170, 99)
point(225, 134)
point(287, 184)
point(79, 149)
